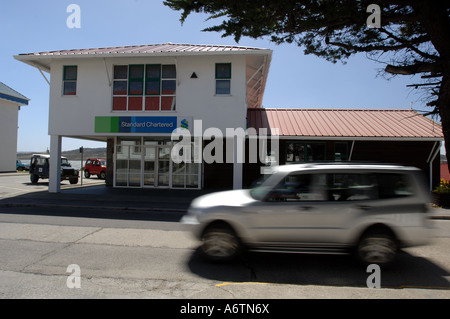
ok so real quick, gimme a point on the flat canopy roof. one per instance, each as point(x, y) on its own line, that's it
point(346, 124)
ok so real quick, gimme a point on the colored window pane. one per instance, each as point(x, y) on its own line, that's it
point(70, 88)
point(223, 71)
point(223, 86)
point(70, 73)
point(152, 88)
point(153, 71)
point(135, 103)
point(152, 103)
point(119, 103)
point(120, 88)
point(120, 72)
point(167, 103)
point(169, 71)
point(136, 71)
point(135, 88)
point(169, 87)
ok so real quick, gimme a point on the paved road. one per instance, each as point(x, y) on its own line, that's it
point(16, 184)
point(148, 254)
point(121, 258)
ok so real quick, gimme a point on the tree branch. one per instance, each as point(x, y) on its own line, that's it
point(420, 67)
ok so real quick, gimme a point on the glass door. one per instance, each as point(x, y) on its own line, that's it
point(150, 165)
point(163, 166)
point(128, 162)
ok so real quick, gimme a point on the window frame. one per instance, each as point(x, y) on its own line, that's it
point(65, 81)
point(223, 78)
point(145, 95)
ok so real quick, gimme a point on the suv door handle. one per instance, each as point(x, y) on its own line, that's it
point(364, 207)
point(305, 208)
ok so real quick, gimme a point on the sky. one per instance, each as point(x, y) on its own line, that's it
point(295, 79)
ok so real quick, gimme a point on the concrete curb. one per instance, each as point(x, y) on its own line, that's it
point(150, 209)
point(435, 216)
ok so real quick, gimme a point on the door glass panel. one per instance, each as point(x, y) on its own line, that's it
point(178, 181)
point(149, 165)
point(163, 179)
point(163, 165)
point(191, 181)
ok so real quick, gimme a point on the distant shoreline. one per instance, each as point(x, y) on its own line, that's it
point(73, 155)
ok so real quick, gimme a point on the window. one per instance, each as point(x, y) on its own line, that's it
point(300, 187)
point(70, 80)
point(299, 152)
point(394, 185)
point(340, 151)
point(352, 187)
point(223, 78)
point(150, 87)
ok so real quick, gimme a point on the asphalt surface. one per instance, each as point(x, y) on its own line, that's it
point(17, 191)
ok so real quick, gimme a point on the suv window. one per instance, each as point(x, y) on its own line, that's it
point(341, 187)
point(300, 187)
point(394, 185)
point(351, 186)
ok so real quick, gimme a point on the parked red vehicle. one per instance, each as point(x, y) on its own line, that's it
point(95, 166)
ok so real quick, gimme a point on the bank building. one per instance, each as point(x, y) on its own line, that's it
point(135, 97)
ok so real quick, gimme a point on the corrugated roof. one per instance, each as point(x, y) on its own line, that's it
point(346, 123)
point(7, 93)
point(149, 48)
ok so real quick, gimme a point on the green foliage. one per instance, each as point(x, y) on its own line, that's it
point(412, 39)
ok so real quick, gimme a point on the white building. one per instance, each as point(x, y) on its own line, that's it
point(10, 103)
point(134, 97)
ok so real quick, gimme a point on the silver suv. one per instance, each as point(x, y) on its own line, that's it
point(371, 210)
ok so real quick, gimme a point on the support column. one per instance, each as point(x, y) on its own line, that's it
point(54, 185)
point(110, 162)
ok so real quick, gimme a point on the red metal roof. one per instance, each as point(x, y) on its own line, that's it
point(346, 123)
point(149, 48)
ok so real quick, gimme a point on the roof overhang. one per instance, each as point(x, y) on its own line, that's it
point(363, 138)
point(42, 60)
point(18, 101)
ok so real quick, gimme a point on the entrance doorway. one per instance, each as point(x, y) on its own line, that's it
point(146, 162)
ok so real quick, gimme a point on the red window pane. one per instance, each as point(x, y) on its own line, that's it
point(135, 103)
point(120, 88)
point(119, 104)
point(152, 103)
point(169, 87)
point(167, 103)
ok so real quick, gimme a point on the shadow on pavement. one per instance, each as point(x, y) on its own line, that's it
point(328, 270)
point(99, 201)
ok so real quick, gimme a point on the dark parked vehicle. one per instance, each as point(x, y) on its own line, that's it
point(39, 169)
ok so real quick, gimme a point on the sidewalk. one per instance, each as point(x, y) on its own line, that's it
point(100, 197)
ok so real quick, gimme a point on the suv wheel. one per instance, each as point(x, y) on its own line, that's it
point(220, 243)
point(34, 178)
point(377, 248)
point(102, 175)
point(87, 174)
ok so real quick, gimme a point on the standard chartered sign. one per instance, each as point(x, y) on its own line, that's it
point(135, 124)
